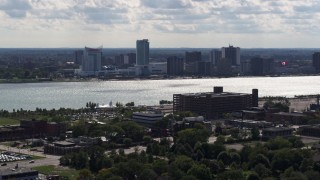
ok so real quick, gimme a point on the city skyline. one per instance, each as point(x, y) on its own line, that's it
point(166, 23)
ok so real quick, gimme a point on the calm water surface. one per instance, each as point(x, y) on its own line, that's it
point(76, 94)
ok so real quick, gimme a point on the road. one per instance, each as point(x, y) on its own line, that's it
point(46, 160)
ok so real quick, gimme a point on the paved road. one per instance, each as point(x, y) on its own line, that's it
point(46, 160)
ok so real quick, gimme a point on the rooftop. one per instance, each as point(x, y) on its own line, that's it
point(212, 94)
point(12, 171)
point(277, 129)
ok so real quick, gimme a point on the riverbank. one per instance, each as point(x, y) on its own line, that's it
point(153, 77)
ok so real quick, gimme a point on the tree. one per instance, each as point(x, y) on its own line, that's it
point(291, 174)
point(147, 139)
point(235, 157)
point(312, 175)
point(160, 166)
point(78, 130)
point(253, 176)
point(231, 175)
point(255, 134)
point(131, 130)
point(224, 157)
point(262, 171)
point(278, 143)
point(130, 104)
point(200, 172)
point(220, 140)
point(259, 159)
point(184, 163)
point(198, 135)
point(147, 174)
point(127, 142)
point(282, 104)
point(85, 174)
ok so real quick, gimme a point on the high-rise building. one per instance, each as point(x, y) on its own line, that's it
point(174, 66)
point(130, 58)
point(142, 49)
point(192, 57)
point(316, 61)
point(119, 60)
point(224, 67)
point(215, 56)
point(78, 55)
point(261, 66)
point(204, 68)
point(91, 62)
point(232, 53)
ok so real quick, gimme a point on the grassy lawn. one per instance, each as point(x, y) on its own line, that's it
point(8, 121)
point(53, 170)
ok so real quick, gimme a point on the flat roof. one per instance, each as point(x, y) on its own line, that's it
point(223, 94)
point(12, 171)
point(276, 129)
point(63, 143)
point(290, 114)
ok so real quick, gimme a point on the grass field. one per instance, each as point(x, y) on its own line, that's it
point(8, 121)
point(53, 170)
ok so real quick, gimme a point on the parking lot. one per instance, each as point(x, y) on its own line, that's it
point(11, 157)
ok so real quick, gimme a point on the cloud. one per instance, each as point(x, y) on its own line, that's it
point(186, 17)
point(15, 8)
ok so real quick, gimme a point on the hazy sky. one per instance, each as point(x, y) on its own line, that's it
point(166, 23)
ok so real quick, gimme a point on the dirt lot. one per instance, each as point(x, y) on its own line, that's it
point(297, 104)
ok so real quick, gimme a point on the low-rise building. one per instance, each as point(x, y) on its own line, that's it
point(31, 129)
point(310, 130)
point(18, 174)
point(147, 118)
point(270, 133)
point(189, 122)
point(61, 148)
point(286, 118)
point(248, 123)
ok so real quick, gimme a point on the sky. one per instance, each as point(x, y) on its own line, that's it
point(166, 23)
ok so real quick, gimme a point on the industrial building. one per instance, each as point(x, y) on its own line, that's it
point(214, 104)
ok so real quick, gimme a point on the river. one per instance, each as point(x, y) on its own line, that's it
point(143, 92)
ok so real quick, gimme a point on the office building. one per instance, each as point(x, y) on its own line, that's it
point(223, 67)
point(191, 62)
point(91, 62)
point(174, 66)
point(78, 55)
point(142, 52)
point(232, 53)
point(316, 61)
point(119, 60)
point(192, 57)
point(130, 58)
point(245, 67)
point(147, 118)
point(213, 104)
point(158, 68)
point(261, 66)
point(215, 56)
point(204, 68)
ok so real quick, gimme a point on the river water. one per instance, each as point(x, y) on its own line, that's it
point(143, 92)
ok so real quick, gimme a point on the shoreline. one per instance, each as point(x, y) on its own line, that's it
point(45, 80)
